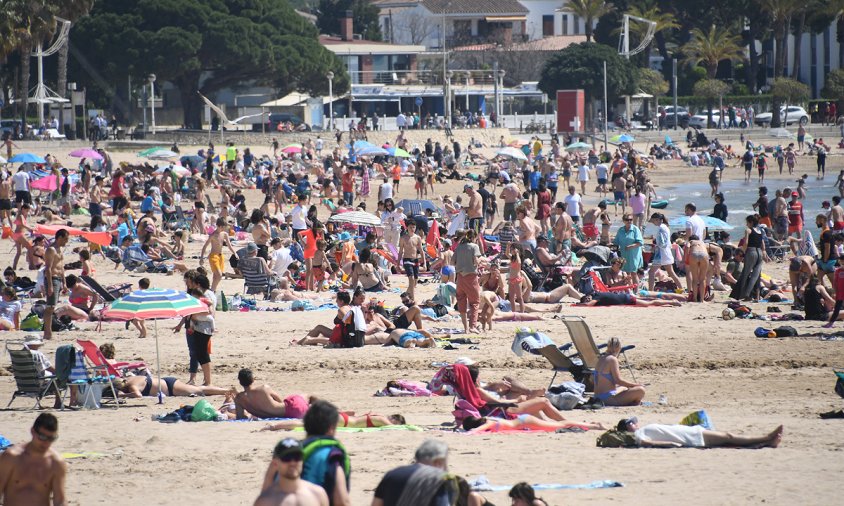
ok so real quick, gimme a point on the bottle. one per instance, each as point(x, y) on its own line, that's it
point(223, 302)
point(220, 299)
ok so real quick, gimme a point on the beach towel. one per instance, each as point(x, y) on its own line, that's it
point(458, 377)
point(412, 428)
point(527, 340)
point(482, 484)
point(404, 388)
point(100, 238)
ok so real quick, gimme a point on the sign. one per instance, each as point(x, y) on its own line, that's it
point(571, 110)
point(418, 101)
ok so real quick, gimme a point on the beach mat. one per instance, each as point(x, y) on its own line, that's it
point(482, 484)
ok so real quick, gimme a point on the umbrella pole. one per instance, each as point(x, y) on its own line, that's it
point(158, 363)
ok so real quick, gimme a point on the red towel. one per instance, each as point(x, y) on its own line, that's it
point(465, 387)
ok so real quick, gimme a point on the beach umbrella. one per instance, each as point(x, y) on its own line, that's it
point(192, 160)
point(372, 151)
point(625, 138)
point(781, 133)
point(713, 224)
point(579, 146)
point(414, 207)
point(292, 148)
point(162, 154)
point(176, 169)
point(154, 304)
point(86, 153)
point(27, 158)
point(356, 218)
point(398, 152)
point(511, 152)
point(148, 151)
point(668, 140)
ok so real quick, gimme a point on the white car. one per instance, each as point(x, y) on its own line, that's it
point(795, 115)
point(699, 120)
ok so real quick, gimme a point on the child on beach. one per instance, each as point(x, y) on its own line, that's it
point(516, 279)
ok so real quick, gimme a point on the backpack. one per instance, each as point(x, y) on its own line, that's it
point(616, 439)
point(32, 322)
point(351, 337)
point(786, 331)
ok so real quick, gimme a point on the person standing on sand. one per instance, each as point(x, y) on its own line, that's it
point(466, 259)
point(54, 282)
point(218, 238)
point(33, 472)
point(282, 481)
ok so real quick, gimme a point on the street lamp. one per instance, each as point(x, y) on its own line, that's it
point(151, 80)
point(448, 76)
point(500, 106)
point(330, 76)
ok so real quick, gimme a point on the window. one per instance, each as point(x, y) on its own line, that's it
point(547, 25)
point(565, 24)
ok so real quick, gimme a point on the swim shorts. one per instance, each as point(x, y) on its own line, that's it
point(216, 262)
point(416, 336)
point(295, 406)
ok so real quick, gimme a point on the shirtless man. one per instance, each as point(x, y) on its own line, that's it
point(780, 216)
point(800, 270)
point(95, 197)
point(412, 253)
point(590, 223)
point(836, 214)
point(511, 195)
point(6, 200)
point(282, 481)
point(474, 210)
point(30, 473)
point(257, 401)
point(54, 283)
point(528, 229)
point(563, 228)
point(217, 240)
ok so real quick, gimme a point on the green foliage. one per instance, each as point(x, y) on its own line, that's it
point(695, 102)
point(790, 90)
point(204, 45)
point(588, 10)
point(650, 81)
point(834, 85)
point(710, 47)
point(711, 88)
point(364, 17)
point(580, 66)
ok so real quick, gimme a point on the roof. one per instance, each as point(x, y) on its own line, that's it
point(554, 43)
point(485, 7)
point(339, 46)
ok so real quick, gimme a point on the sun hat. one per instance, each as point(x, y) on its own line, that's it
point(33, 340)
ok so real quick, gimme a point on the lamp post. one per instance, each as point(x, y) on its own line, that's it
point(151, 79)
point(500, 106)
point(448, 76)
point(330, 76)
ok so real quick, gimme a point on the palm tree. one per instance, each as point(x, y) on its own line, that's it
point(711, 48)
point(70, 10)
point(589, 10)
point(781, 12)
point(648, 9)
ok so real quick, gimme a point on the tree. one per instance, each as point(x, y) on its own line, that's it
point(710, 89)
point(709, 48)
point(651, 82)
point(411, 29)
point(834, 85)
point(70, 10)
point(790, 91)
point(648, 9)
point(364, 17)
point(581, 66)
point(781, 12)
point(205, 46)
point(589, 10)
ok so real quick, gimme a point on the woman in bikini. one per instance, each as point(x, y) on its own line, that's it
point(321, 335)
point(697, 267)
point(18, 235)
point(492, 281)
point(35, 254)
point(608, 386)
point(82, 301)
point(516, 279)
point(525, 422)
point(365, 273)
point(347, 419)
point(147, 386)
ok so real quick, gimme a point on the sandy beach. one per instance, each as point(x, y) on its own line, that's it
point(688, 354)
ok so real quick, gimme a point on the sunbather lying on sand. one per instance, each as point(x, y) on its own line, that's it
point(683, 436)
point(525, 421)
point(143, 386)
point(622, 299)
point(263, 402)
point(369, 420)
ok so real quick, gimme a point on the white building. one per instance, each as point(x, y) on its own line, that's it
point(819, 54)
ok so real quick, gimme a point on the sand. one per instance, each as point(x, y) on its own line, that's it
point(688, 354)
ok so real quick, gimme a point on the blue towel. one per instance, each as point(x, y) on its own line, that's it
point(4, 443)
point(481, 484)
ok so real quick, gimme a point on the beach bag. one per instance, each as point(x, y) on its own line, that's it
point(786, 331)
point(616, 439)
point(351, 337)
point(302, 305)
point(203, 411)
point(440, 310)
point(698, 418)
point(463, 410)
point(32, 322)
point(839, 384)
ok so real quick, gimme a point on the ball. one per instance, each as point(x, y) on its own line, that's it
point(728, 314)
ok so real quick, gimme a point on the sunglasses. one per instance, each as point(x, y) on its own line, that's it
point(627, 221)
point(297, 457)
point(45, 438)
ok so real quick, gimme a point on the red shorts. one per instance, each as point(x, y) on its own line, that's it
point(838, 225)
point(766, 221)
point(591, 231)
point(795, 229)
point(295, 406)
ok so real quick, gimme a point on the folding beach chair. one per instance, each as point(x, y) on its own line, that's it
point(110, 294)
point(600, 286)
point(560, 362)
point(182, 221)
point(587, 350)
point(255, 281)
point(28, 383)
point(96, 358)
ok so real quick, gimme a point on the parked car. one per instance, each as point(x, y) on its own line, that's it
point(682, 116)
point(795, 115)
point(699, 120)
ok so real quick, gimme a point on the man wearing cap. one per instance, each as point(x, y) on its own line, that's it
point(423, 482)
point(33, 342)
point(696, 436)
point(474, 210)
point(283, 479)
